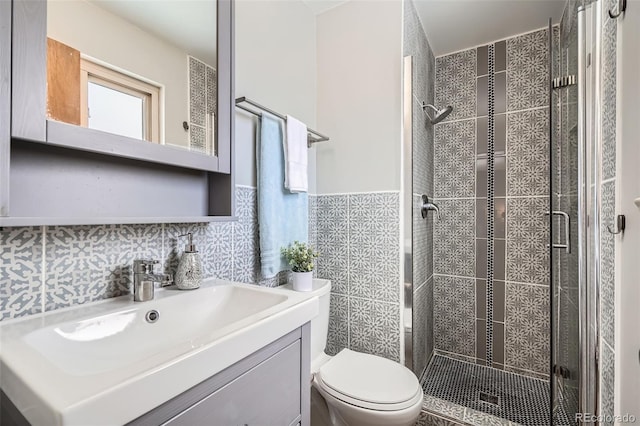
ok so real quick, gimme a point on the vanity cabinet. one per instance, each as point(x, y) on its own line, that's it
point(64, 173)
point(269, 387)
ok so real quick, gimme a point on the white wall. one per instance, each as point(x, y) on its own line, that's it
point(359, 97)
point(276, 67)
point(107, 37)
point(628, 156)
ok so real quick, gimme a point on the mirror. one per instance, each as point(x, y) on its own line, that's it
point(140, 69)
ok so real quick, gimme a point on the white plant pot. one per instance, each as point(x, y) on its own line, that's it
point(302, 281)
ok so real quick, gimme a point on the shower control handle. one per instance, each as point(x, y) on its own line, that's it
point(567, 230)
point(428, 206)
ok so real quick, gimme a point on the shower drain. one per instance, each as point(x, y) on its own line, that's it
point(489, 399)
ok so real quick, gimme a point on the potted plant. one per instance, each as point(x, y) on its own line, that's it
point(300, 257)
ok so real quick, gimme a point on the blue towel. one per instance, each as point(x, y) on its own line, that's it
point(282, 215)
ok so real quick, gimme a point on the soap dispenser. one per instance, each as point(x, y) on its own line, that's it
point(189, 273)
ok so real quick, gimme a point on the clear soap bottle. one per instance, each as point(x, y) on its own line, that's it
point(189, 273)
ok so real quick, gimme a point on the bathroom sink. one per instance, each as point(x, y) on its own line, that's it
point(74, 365)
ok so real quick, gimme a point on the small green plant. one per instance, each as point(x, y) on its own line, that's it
point(300, 256)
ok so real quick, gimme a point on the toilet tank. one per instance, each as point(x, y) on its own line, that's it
point(320, 324)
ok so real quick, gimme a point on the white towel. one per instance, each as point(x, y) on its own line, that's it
point(295, 156)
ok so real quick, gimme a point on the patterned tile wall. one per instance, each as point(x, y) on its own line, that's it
point(500, 95)
point(454, 232)
point(608, 207)
point(21, 289)
point(89, 263)
point(454, 314)
point(527, 199)
point(423, 81)
point(359, 244)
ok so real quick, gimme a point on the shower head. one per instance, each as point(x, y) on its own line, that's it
point(440, 115)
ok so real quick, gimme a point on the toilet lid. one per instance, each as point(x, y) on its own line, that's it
point(369, 378)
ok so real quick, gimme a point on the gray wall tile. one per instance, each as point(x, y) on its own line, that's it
point(20, 272)
point(454, 315)
point(483, 60)
point(527, 71)
point(359, 244)
point(338, 335)
point(608, 382)
point(528, 153)
point(88, 263)
point(333, 241)
point(374, 327)
point(501, 56)
point(456, 83)
point(454, 238)
point(607, 264)
point(374, 236)
point(609, 46)
point(455, 156)
point(527, 327)
point(527, 257)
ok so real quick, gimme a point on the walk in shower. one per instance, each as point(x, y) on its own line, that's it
point(507, 309)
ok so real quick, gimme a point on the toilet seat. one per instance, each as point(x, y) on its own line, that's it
point(369, 381)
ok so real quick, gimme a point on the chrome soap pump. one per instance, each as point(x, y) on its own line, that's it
point(189, 273)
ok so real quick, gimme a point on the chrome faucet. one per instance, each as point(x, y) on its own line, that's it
point(144, 280)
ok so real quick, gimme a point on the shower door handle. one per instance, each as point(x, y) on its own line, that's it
point(567, 230)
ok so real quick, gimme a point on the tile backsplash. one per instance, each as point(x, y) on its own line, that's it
point(51, 267)
point(357, 235)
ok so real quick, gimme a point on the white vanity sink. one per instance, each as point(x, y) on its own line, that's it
point(105, 363)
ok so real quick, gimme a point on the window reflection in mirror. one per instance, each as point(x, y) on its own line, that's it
point(141, 69)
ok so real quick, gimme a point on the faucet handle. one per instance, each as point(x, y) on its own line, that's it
point(144, 266)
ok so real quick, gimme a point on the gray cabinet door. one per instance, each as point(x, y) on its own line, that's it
point(268, 394)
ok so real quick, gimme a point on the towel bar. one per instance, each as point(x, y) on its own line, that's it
point(313, 136)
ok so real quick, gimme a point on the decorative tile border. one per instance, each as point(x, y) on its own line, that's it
point(490, 204)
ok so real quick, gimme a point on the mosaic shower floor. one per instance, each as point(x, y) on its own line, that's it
point(515, 398)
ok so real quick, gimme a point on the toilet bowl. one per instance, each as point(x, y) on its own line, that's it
point(357, 389)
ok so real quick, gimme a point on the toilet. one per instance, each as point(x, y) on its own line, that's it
point(357, 389)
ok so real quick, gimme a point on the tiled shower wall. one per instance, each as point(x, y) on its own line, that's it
point(608, 208)
point(491, 286)
point(358, 237)
point(423, 81)
point(47, 268)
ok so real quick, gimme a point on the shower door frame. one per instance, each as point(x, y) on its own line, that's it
point(588, 238)
point(407, 212)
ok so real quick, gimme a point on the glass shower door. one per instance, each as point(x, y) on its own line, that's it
point(564, 220)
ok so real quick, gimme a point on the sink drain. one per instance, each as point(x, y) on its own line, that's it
point(152, 316)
